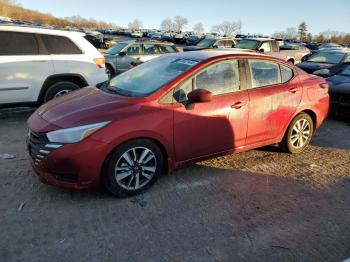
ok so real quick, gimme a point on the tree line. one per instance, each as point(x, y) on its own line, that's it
point(302, 33)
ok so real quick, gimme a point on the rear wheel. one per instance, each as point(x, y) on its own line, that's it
point(133, 167)
point(298, 135)
point(59, 89)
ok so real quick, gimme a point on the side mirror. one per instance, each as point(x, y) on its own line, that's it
point(262, 50)
point(322, 72)
point(122, 54)
point(199, 96)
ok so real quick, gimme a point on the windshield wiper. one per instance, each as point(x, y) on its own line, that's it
point(119, 91)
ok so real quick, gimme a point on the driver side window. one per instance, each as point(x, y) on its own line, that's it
point(134, 50)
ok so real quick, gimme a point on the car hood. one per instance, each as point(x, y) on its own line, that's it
point(194, 48)
point(339, 84)
point(311, 67)
point(86, 106)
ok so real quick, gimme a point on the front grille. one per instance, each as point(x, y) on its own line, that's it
point(39, 146)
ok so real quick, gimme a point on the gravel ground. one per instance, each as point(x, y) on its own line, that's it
point(260, 205)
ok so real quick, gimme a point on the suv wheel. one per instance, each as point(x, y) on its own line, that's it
point(133, 167)
point(298, 135)
point(59, 89)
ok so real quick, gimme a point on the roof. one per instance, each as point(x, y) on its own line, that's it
point(260, 39)
point(38, 30)
point(207, 54)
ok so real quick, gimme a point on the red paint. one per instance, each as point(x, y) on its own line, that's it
point(229, 123)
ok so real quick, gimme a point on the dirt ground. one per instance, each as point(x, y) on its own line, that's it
point(261, 205)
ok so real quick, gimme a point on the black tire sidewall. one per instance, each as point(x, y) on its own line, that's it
point(57, 87)
point(287, 143)
point(109, 173)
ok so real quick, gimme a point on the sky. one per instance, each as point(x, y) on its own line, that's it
point(257, 16)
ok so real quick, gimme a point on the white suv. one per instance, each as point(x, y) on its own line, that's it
point(38, 64)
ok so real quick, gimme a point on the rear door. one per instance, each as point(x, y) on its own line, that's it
point(24, 66)
point(217, 126)
point(274, 95)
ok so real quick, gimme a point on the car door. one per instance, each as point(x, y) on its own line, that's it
point(274, 95)
point(133, 56)
point(217, 126)
point(23, 67)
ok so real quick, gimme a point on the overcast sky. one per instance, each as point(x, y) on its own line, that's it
point(257, 16)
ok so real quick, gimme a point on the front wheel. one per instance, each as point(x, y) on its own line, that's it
point(59, 89)
point(298, 135)
point(133, 167)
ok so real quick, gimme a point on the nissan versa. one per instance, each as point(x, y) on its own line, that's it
point(174, 110)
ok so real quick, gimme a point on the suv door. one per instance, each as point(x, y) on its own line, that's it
point(274, 95)
point(217, 126)
point(24, 66)
point(133, 57)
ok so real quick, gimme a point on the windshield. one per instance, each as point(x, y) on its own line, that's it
point(326, 57)
point(345, 71)
point(147, 78)
point(116, 48)
point(206, 42)
point(248, 44)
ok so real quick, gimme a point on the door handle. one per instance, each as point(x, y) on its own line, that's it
point(238, 105)
point(293, 90)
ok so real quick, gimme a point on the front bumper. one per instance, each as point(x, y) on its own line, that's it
point(73, 166)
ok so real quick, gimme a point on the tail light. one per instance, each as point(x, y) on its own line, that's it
point(100, 62)
point(325, 87)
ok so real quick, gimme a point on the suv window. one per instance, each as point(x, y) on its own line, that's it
point(150, 49)
point(220, 79)
point(266, 46)
point(135, 49)
point(229, 43)
point(15, 43)
point(286, 73)
point(60, 45)
point(264, 73)
point(167, 49)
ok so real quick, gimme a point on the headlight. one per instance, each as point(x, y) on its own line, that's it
point(74, 134)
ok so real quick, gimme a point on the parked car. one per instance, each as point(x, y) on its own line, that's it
point(212, 42)
point(37, 65)
point(174, 110)
point(136, 34)
point(180, 38)
point(271, 47)
point(128, 54)
point(339, 90)
point(325, 63)
point(157, 36)
point(167, 37)
point(193, 39)
point(100, 41)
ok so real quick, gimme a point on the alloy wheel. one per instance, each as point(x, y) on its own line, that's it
point(135, 168)
point(301, 133)
point(62, 92)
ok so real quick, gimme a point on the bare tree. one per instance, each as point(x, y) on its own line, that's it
point(179, 23)
point(167, 25)
point(135, 25)
point(227, 28)
point(289, 33)
point(198, 29)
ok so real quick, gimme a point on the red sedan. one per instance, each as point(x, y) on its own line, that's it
point(171, 111)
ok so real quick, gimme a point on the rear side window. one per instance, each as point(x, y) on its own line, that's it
point(264, 73)
point(286, 73)
point(15, 43)
point(60, 45)
point(167, 49)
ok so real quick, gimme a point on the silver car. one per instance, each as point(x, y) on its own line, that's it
point(127, 54)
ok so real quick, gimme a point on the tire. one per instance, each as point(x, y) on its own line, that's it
point(298, 135)
point(124, 176)
point(59, 89)
point(109, 71)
